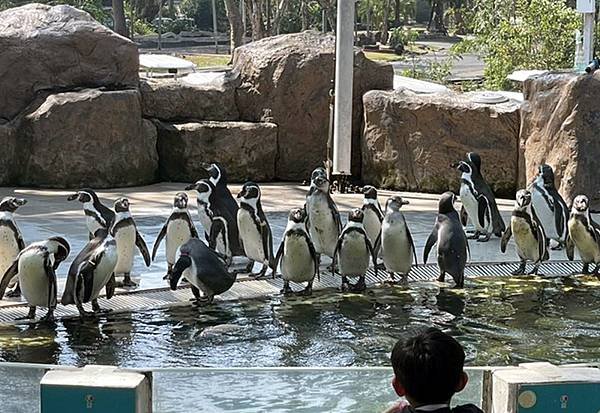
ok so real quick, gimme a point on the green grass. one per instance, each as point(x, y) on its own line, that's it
point(208, 60)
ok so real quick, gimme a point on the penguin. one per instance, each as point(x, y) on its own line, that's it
point(36, 267)
point(584, 234)
point(92, 270)
point(254, 230)
point(323, 218)
point(353, 251)
point(549, 206)
point(204, 189)
point(396, 242)
point(372, 213)
point(530, 238)
point(452, 244)
point(297, 255)
point(97, 214)
point(204, 269)
point(224, 205)
point(127, 238)
point(178, 229)
point(11, 239)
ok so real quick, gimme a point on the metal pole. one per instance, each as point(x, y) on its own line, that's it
point(344, 71)
point(588, 37)
point(323, 21)
point(214, 18)
point(243, 13)
point(160, 25)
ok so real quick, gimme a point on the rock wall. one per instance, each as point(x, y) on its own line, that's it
point(411, 140)
point(561, 124)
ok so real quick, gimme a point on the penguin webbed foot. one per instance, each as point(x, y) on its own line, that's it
point(520, 270)
point(128, 282)
point(203, 301)
point(487, 237)
point(380, 266)
point(286, 290)
point(475, 235)
point(442, 277)
point(345, 284)
point(99, 311)
point(306, 292)
point(49, 317)
point(535, 270)
point(30, 315)
point(558, 246)
point(359, 286)
point(15, 292)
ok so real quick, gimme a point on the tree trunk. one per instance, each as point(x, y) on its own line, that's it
point(369, 21)
point(303, 14)
point(257, 21)
point(436, 19)
point(279, 13)
point(235, 24)
point(396, 13)
point(386, 17)
point(119, 17)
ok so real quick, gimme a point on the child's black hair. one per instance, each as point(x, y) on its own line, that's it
point(429, 366)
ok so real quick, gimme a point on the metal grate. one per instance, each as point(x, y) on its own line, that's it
point(247, 288)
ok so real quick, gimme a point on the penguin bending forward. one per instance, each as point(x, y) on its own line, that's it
point(529, 235)
point(396, 242)
point(584, 234)
point(323, 218)
point(127, 237)
point(97, 215)
point(452, 244)
point(178, 229)
point(255, 233)
point(297, 255)
point(204, 189)
point(549, 206)
point(11, 240)
point(353, 251)
point(204, 269)
point(90, 272)
point(36, 267)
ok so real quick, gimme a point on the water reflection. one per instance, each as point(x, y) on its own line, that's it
point(498, 320)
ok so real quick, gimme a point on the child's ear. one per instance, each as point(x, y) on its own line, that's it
point(398, 388)
point(462, 382)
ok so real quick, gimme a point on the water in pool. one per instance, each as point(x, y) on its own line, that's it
point(499, 321)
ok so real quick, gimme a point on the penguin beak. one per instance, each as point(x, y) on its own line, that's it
point(182, 263)
point(21, 201)
point(73, 197)
point(405, 202)
point(190, 187)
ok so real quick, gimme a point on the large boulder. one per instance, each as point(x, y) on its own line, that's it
point(561, 124)
point(177, 99)
point(44, 48)
point(286, 80)
point(247, 150)
point(88, 138)
point(410, 140)
point(8, 143)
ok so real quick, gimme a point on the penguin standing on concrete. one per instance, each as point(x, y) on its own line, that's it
point(204, 189)
point(297, 255)
point(224, 205)
point(127, 237)
point(452, 244)
point(584, 234)
point(372, 213)
point(396, 242)
point(97, 215)
point(11, 240)
point(549, 206)
point(204, 269)
point(255, 233)
point(529, 234)
point(353, 251)
point(178, 229)
point(323, 222)
point(35, 267)
point(483, 188)
point(92, 270)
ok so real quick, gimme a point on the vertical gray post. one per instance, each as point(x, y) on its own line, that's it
point(344, 70)
point(323, 21)
point(160, 25)
point(588, 8)
point(215, 33)
point(243, 13)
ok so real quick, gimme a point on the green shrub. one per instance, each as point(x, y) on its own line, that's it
point(401, 37)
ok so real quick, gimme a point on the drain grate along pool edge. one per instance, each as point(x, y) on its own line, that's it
point(247, 289)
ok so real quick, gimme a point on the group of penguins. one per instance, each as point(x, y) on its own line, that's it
point(231, 229)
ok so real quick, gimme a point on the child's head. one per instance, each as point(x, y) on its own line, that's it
point(428, 368)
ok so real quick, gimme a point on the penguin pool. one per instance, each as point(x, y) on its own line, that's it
point(499, 321)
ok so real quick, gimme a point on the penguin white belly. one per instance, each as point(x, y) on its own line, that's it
point(527, 245)
point(323, 230)
point(586, 245)
point(9, 249)
point(178, 233)
point(205, 219)
point(297, 264)
point(353, 257)
point(103, 271)
point(251, 238)
point(125, 238)
point(396, 249)
point(92, 224)
point(33, 279)
point(471, 205)
point(372, 225)
point(544, 214)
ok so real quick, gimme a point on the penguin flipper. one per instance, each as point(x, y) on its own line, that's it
point(52, 285)
point(505, 238)
point(110, 286)
point(193, 230)
point(431, 241)
point(559, 220)
point(141, 244)
point(412, 244)
point(313, 254)
point(570, 248)
point(159, 238)
point(371, 252)
point(9, 274)
point(338, 244)
point(18, 235)
point(542, 243)
point(464, 216)
point(86, 271)
point(278, 254)
point(483, 208)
